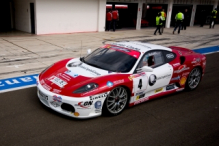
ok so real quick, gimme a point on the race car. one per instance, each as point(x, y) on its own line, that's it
point(117, 75)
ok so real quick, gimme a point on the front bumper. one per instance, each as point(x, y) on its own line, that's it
point(83, 107)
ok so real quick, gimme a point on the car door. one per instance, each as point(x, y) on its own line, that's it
point(155, 81)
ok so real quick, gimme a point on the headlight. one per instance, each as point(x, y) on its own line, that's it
point(86, 88)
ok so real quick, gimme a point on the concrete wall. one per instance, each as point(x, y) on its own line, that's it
point(67, 16)
point(22, 15)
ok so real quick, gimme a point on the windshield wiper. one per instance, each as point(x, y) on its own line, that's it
point(94, 65)
point(82, 59)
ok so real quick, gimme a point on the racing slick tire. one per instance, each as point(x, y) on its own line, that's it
point(116, 101)
point(193, 79)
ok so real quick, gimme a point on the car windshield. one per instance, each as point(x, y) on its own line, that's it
point(111, 60)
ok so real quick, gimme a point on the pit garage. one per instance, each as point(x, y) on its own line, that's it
point(17, 15)
point(6, 15)
point(177, 8)
point(127, 14)
point(203, 12)
point(150, 12)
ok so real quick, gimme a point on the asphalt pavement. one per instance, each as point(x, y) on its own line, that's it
point(181, 119)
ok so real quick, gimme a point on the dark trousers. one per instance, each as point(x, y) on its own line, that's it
point(202, 23)
point(212, 20)
point(178, 24)
point(158, 29)
point(114, 24)
point(108, 25)
point(184, 25)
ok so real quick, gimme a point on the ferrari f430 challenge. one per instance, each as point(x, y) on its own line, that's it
point(117, 75)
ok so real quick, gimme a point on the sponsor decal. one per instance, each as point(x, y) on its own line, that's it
point(74, 64)
point(98, 96)
point(141, 100)
point(196, 60)
point(126, 46)
point(153, 53)
point(59, 82)
point(181, 69)
point(57, 98)
point(139, 93)
point(131, 77)
point(98, 104)
point(90, 70)
point(169, 56)
point(65, 77)
point(165, 76)
point(72, 74)
point(109, 72)
point(119, 81)
point(42, 82)
point(57, 101)
point(140, 96)
point(176, 78)
point(158, 90)
point(109, 84)
point(56, 91)
point(85, 105)
point(185, 74)
point(204, 63)
point(180, 89)
point(152, 80)
point(121, 49)
point(47, 87)
point(182, 81)
point(170, 87)
point(203, 58)
point(180, 53)
point(176, 64)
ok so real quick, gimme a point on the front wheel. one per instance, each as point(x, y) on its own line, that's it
point(194, 79)
point(116, 101)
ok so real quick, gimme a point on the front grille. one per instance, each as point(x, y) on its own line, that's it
point(68, 107)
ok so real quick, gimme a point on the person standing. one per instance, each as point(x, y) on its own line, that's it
point(158, 23)
point(213, 17)
point(109, 17)
point(203, 16)
point(163, 15)
point(115, 18)
point(185, 20)
point(179, 18)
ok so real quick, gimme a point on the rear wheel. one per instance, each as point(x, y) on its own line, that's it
point(116, 101)
point(194, 79)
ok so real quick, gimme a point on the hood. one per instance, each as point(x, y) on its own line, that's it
point(83, 69)
point(70, 74)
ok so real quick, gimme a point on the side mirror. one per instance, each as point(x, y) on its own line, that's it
point(88, 51)
point(145, 69)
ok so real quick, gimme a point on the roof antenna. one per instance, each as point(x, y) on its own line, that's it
point(81, 49)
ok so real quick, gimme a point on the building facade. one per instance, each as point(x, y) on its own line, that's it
point(69, 16)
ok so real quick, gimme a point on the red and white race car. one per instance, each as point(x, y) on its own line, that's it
point(116, 75)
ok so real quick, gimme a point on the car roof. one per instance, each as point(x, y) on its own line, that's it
point(140, 46)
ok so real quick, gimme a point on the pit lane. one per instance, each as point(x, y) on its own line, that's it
point(184, 118)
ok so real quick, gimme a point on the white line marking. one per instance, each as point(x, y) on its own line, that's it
point(16, 66)
point(18, 88)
